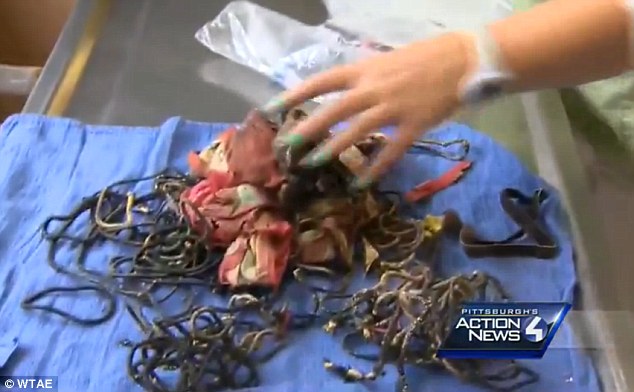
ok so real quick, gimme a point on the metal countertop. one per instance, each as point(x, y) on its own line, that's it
point(116, 59)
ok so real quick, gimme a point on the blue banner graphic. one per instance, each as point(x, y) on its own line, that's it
point(505, 330)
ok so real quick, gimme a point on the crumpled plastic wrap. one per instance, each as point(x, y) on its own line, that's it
point(288, 51)
point(399, 22)
point(281, 48)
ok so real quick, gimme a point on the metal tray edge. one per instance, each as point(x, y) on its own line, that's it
point(560, 164)
point(65, 49)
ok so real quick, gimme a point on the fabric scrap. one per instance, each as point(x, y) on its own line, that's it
point(224, 212)
point(332, 229)
point(258, 258)
point(430, 187)
point(250, 154)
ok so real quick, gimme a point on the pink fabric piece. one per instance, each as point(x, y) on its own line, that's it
point(250, 155)
point(229, 211)
point(259, 257)
point(247, 153)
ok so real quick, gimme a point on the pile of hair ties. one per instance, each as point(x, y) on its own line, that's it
point(404, 316)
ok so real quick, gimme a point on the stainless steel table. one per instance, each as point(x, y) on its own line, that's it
point(116, 59)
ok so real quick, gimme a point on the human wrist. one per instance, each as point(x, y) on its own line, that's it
point(544, 51)
point(485, 75)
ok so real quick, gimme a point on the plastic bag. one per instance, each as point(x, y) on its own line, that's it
point(16, 80)
point(399, 22)
point(285, 50)
point(288, 51)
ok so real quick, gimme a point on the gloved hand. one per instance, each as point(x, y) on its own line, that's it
point(417, 86)
point(414, 87)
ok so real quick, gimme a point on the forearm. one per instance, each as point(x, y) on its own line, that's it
point(562, 43)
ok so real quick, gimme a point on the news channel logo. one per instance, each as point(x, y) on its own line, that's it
point(503, 330)
point(31, 383)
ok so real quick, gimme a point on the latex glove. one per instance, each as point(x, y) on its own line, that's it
point(414, 87)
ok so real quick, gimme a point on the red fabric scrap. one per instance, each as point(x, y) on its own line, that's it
point(246, 151)
point(211, 204)
point(430, 187)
